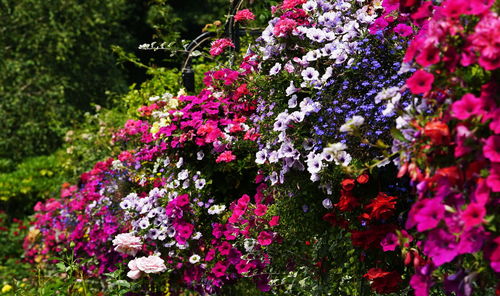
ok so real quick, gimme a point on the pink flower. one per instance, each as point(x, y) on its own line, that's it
point(420, 82)
point(493, 179)
point(150, 264)
point(219, 269)
point(226, 156)
point(242, 267)
point(491, 149)
point(134, 272)
point(219, 45)
point(260, 210)
point(275, 220)
point(284, 27)
point(473, 215)
point(265, 238)
point(441, 246)
point(244, 15)
point(467, 106)
point(225, 248)
point(429, 215)
point(390, 242)
point(428, 56)
point(453, 8)
point(127, 243)
point(403, 30)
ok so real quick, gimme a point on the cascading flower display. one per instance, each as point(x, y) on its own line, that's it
point(355, 150)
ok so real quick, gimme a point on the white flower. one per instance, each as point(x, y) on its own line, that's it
point(310, 74)
point(197, 235)
point(200, 155)
point(127, 243)
point(249, 244)
point(194, 259)
point(180, 162)
point(353, 123)
point(275, 69)
point(183, 175)
point(291, 89)
point(261, 156)
point(200, 183)
point(292, 102)
point(327, 203)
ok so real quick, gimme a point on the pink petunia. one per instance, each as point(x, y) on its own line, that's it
point(428, 56)
point(265, 238)
point(491, 149)
point(403, 30)
point(420, 82)
point(219, 269)
point(429, 215)
point(260, 210)
point(275, 220)
point(390, 242)
point(473, 215)
point(466, 107)
point(493, 180)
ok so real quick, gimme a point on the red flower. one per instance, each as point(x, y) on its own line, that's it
point(383, 282)
point(382, 207)
point(420, 82)
point(348, 184)
point(372, 237)
point(334, 220)
point(428, 56)
point(347, 201)
point(438, 132)
point(363, 179)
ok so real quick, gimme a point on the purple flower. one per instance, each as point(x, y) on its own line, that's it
point(390, 242)
point(429, 215)
point(441, 247)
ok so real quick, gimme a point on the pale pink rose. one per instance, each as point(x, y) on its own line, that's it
point(127, 243)
point(151, 264)
point(134, 272)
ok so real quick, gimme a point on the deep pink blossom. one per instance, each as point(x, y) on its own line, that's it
point(219, 45)
point(403, 30)
point(226, 156)
point(219, 269)
point(473, 215)
point(467, 106)
point(491, 149)
point(420, 82)
point(441, 246)
point(260, 210)
point(429, 215)
point(244, 15)
point(265, 238)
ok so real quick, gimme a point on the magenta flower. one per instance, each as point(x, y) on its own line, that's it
point(491, 149)
point(225, 248)
point(260, 210)
point(429, 215)
point(441, 246)
point(493, 180)
point(466, 107)
point(420, 82)
point(471, 240)
point(390, 242)
point(403, 30)
point(473, 215)
point(275, 220)
point(219, 269)
point(265, 238)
